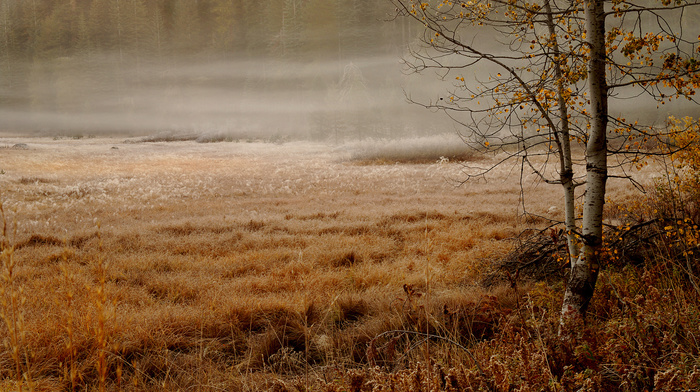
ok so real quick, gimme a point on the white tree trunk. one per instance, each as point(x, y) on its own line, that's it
point(562, 137)
point(584, 270)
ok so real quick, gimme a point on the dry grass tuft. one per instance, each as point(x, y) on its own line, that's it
point(346, 260)
point(349, 309)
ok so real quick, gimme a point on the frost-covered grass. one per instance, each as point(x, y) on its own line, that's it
point(243, 266)
point(427, 149)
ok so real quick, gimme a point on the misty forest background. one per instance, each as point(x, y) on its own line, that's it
point(320, 69)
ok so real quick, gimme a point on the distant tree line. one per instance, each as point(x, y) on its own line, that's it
point(32, 29)
point(58, 55)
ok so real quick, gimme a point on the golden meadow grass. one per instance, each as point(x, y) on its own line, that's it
point(166, 266)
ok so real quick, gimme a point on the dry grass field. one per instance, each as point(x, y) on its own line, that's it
point(240, 266)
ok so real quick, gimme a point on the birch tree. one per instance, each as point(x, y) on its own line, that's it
point(530, 79)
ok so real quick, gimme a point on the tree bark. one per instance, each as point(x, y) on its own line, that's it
point(584, 271)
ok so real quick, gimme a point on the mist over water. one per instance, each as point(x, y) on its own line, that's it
point(240, 98)
point(244, 96)
point(237, 69)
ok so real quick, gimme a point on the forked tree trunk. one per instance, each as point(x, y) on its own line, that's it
point(584, 270)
